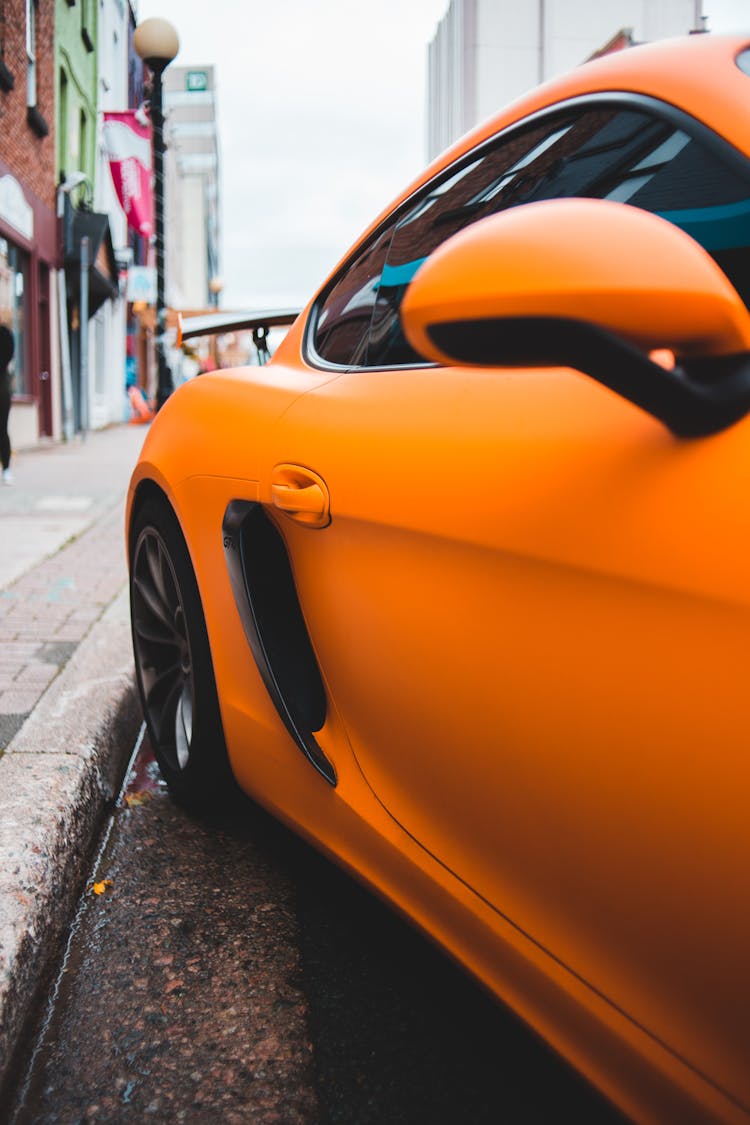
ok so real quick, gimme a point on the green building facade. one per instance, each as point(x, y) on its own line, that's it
point(76, 87)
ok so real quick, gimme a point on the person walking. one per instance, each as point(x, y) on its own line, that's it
point(7, 346)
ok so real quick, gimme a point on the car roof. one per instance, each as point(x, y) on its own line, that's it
point(696, 73)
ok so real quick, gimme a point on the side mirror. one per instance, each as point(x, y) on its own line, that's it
point(593, 285)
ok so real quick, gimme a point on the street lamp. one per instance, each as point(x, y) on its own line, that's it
point(215, 287)
point(157, 43)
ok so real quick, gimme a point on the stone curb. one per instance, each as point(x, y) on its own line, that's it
point(57, 777)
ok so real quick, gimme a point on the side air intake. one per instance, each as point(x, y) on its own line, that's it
point(266, 597)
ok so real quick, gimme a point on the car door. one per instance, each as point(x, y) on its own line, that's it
point(531, 609)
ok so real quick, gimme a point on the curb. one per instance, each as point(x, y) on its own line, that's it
point(57, 777)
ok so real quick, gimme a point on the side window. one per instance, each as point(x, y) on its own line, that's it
point(501, 177)
point(605, 152)
point(344, 319)
point(343, 325)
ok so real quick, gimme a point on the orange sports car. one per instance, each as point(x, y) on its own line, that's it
point(458, 585)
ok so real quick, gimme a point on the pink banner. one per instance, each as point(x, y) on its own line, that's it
point(128, 145)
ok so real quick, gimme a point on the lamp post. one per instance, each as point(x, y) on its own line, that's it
point(215, 287)
point(157, 43)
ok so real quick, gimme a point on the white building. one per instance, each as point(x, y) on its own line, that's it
point(107, 328)
point(486, 53)
point(192, 187)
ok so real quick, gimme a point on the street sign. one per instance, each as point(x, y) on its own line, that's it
point(196, 80)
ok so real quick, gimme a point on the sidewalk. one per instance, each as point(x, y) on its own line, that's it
point(68, 706)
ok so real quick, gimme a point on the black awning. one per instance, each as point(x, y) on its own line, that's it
point(103, 277)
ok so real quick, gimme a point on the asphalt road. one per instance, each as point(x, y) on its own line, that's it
point(227, 973)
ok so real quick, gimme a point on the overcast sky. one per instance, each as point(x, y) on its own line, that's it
point(321, 108)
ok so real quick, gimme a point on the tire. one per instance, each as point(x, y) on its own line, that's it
point(173, 662)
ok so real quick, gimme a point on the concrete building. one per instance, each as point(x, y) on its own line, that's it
point(28, 245)
point(192, 187)
point(486, 53)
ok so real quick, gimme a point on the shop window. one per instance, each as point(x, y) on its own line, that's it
point(14, 289)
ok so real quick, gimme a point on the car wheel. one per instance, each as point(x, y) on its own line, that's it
point(173, 661)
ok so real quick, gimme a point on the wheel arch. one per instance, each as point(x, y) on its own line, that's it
point(145, 490)
point(173, 657)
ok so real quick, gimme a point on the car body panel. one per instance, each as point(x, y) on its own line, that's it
point(482, 572)
point(530, 610)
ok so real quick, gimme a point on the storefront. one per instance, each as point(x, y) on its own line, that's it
point(91, 277)
point(27, 258)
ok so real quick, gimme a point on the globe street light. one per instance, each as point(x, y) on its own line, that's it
point(215, 287)
point(157, 43)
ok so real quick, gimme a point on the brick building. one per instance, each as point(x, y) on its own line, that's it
point(28, 246)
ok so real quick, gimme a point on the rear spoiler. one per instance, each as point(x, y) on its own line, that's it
point(259, 323)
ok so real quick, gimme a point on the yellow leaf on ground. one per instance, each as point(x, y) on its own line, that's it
point(132, 800)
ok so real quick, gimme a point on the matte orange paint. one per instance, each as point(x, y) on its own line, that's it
point(531, 608)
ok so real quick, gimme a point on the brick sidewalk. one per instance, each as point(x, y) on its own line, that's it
point(69, 712)
point(45, 615)
point(71, 495)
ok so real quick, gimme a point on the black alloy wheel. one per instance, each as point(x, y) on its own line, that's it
point(163, 648)
point(173, 660)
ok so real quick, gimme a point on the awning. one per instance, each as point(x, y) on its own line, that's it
point(103, 274)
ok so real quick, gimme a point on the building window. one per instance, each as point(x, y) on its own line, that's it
point(14, 274)
point(7, 81)
point(33, 116)
point(85, 34)
point(63, 122)
point(6, 78)
point(82, 140)
point(30, 52)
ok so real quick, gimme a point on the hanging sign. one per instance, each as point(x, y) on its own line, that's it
point(128, 144)
point(142, 284)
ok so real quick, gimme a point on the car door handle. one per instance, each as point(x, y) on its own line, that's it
point(310, 499)
point(300, 494)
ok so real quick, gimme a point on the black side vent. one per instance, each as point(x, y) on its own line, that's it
point(269, 608)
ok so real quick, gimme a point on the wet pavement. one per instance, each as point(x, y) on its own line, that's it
point(224, 972)
point(181, 972)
